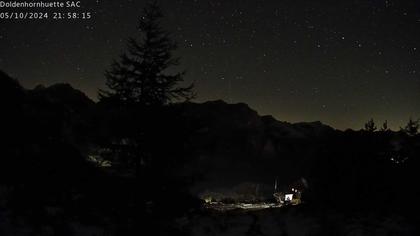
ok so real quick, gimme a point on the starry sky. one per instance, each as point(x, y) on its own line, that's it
point(340, 62)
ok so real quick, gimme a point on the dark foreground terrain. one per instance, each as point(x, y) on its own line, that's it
point(71, 166)
point(300, 220)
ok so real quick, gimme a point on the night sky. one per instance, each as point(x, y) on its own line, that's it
point(340, 62)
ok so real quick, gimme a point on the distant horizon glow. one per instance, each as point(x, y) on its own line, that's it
point(340, 63)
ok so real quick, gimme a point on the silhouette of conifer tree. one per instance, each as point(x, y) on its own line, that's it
point(370, 126)
point(141, 75)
